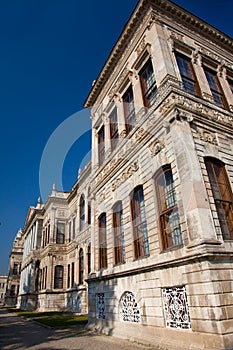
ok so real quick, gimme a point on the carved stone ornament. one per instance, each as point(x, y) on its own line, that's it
point(155, 147)
point(125, 175)
point(195, 107)
point(207, 136)
point(115, 89)
point(141, 47)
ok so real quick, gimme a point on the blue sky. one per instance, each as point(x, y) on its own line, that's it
point(51, 51)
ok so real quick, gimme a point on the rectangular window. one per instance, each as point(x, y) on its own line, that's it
point(101, 145)
point(81, 266)
point(82, 213)
point(118, 234)
point(148, 84)
point(187, 74)
point(72, 275)
point(68, 276)
point(102, 242)
point(169, 218)
point(58, 277)
point(74, 219)
point(129, 110)
point(89, 213)
point(215, 88)
point(70, 237)
point(230, 82)
point(222, 194)
point(12, 290)
point(15, 269)
point(141, 243)
point(60, 237)
point(114, 133)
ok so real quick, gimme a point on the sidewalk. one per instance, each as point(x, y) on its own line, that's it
point(17, 333)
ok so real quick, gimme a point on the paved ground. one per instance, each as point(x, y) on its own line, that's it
point(17, 333)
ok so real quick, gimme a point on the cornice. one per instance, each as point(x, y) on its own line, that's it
point(161, 7)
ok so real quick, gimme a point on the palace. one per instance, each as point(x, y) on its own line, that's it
point(143, 242)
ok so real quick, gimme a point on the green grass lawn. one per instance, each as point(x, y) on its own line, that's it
point(54, 319)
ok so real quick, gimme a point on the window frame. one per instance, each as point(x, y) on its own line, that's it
point(215, 87)
point(101, 145)
point(58, 276)
point(118, 232)
point(222, 194)
point(81, 266)
point(114, 129)
point(129, 109)
point(139, 223)
point(102, 224)
point(167, 209)
point(188, 76)
point(148, 83)
point(60, 236)
point(82, 213)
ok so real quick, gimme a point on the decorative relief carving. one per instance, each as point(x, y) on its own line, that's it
point(207, 96)
point(61, 213)
point(176, 35)
point(155, 147)
point(195, 107)
point(141, 47)
point(176, 309)
point(207, 136)
point(210, 54)
point(114, 90)
point(125, 175)
point(153, 19)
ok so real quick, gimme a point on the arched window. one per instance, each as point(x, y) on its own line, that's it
point(119, 251)
point(82, 213)
point(102, 242)
point(58, 277)
point(222, 194)
point(169, 218)
point(141, 244)
point(129, 308)
point(81, 266)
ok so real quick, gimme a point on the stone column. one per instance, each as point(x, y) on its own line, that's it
point(225, 86)
point(107, 135)
point(191, 188)
point(120, 116)
point(137, 91)
point(95, 160)
point(201, 77)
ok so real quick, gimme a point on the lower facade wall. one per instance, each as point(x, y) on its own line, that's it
point(69, 301)
point(191, 306)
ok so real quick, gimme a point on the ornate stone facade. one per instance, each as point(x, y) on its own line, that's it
point(148, 226)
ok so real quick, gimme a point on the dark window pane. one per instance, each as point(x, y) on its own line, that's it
point(215, 88)
point(148, 83)
point(118, 234)
point(129, 110)
point(114, 133)
point(222, 194)
point(82, 213)
point(101, 145)
point(168, 211)
point(102, 242)
point(141, 243)
point(187, 74)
